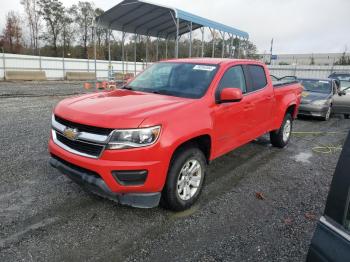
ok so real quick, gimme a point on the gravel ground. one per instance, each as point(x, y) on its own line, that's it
point(46, 217)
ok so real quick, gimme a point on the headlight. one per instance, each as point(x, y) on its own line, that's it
point(320, 102)
point(131, 138)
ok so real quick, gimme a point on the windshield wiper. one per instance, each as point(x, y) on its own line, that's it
point(127, 88)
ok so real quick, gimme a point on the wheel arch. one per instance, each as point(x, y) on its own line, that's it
point(292, 110)
point(203, 142)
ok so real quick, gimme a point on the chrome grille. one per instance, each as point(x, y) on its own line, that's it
point(87, 143)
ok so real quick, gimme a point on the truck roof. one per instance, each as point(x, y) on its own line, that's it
point(211, 61)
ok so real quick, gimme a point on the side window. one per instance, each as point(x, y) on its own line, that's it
point(257, 77)
point(347, 214)
point(233, 77)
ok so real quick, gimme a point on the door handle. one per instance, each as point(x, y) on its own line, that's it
point(249, 106)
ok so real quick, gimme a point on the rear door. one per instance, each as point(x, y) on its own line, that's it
point(331, 240)
point(259, 100)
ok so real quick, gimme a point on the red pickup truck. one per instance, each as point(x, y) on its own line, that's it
point(152, 140)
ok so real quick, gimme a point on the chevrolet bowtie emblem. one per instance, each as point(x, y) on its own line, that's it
point(71, 133)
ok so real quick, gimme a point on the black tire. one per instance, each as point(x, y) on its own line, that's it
point(170, 196)
point(277, 138)
point(347, 116)
point(328, 114)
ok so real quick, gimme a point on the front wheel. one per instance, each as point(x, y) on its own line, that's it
point(281, 137)
point(185, 179)
point(328, 114)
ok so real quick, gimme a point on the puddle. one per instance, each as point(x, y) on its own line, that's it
point(303, 157)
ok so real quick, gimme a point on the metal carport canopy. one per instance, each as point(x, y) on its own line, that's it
point(145, 18)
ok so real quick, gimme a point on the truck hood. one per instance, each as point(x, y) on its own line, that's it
point(310, 97)
point(117, 109)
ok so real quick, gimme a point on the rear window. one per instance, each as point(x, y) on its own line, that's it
point(257, 76)
point(347, 218)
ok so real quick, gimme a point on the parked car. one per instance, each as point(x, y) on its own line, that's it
point(331, 240)
point(154, 138)
point(341, 102)
point(340, 76)
point(317, 97)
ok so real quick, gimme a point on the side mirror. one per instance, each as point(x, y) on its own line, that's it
point(128, 80)
point(230, 94)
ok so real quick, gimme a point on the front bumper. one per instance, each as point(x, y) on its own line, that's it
point(91, 181)
point(154, 160)
point(313, 110)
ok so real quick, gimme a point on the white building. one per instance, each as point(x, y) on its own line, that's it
point(303, 59)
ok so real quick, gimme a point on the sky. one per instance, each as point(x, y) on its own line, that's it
point(297, 26)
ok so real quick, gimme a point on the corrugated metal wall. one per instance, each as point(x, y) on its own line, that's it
point(55, 68)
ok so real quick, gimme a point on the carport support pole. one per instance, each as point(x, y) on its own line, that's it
point(135, 53)
point(109, 55)
point(157, 51)
point(123, 55)
point(190, 48)
point(147, 39)
point(3, 62)
point(95, 52)
point(213, 48)
point(223, 34)
point(63, 66)
point(202, 30)
point(231, 45)
point(39, 59)
point(177, 38)
point(166, 48)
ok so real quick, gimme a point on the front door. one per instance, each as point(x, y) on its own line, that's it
point(341, 102)
point(331, 240)
point(230, 123)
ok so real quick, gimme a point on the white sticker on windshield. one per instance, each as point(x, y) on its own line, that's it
point(324, 82)
point(204, 68)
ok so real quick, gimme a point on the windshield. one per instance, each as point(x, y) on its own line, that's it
point(317, 86)
point(345, 85)
point(175, 79)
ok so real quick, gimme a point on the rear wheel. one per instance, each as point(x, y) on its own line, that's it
point(185, 179)
point(281, 137)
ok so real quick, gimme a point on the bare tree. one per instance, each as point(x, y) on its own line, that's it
point(68, 29)
point(12, 33)
point(33, 21)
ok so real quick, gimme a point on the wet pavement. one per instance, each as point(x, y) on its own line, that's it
point(259, 203)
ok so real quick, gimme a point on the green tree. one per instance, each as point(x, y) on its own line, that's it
point(52, 11)
point(84, 16)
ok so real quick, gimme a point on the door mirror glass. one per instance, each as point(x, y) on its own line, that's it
point(231, 94)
